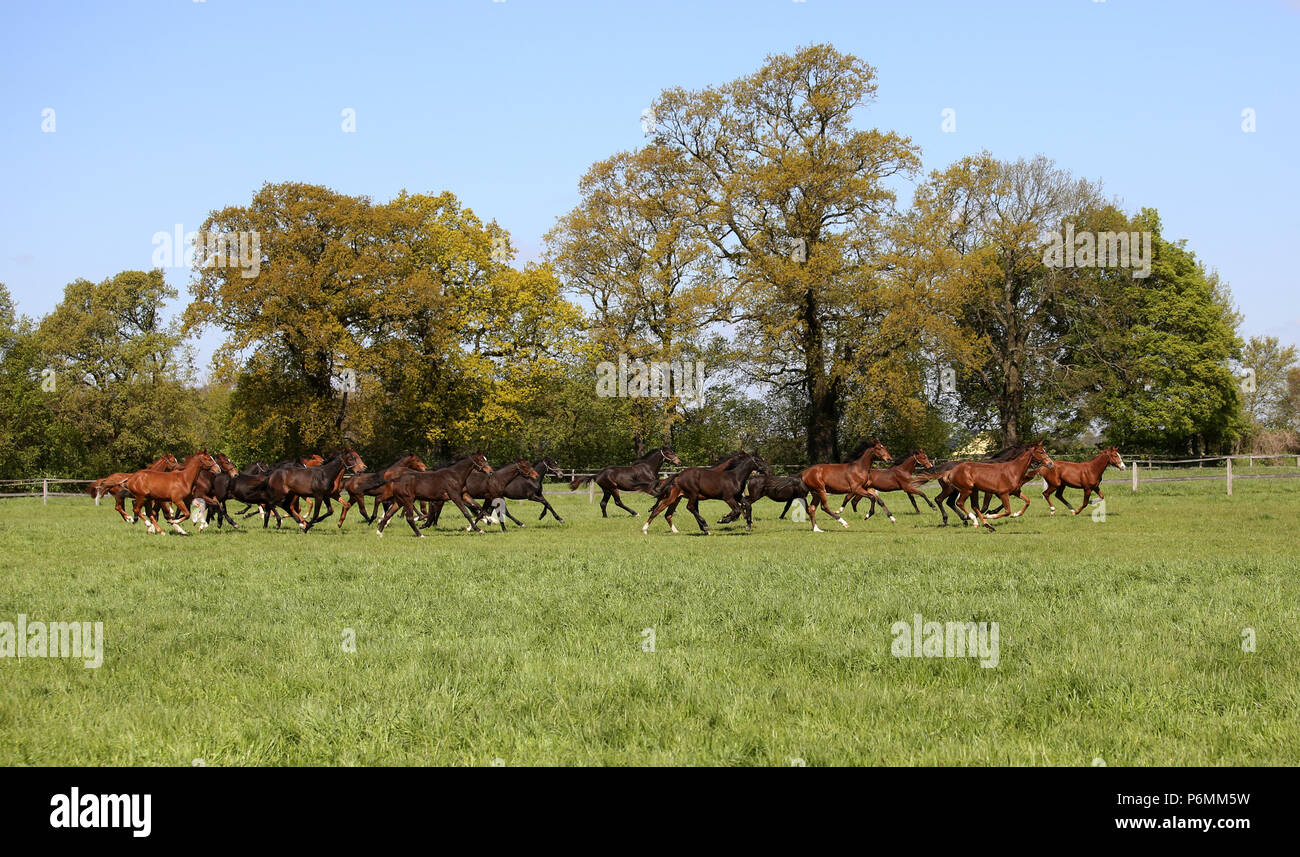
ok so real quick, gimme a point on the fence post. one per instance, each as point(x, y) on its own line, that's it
point(591, 491)
point(1135, 478)
point(45, 492)
point(1229, 475)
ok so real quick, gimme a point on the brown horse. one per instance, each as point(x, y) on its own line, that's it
point(896, 478)
point(493, 488)
point(1079, 474)
point(709, 483)
point(445, 483)
point(115, 484)
point(850, 478)
point(360, 485)
point(642, 475)
point(321, 483)
point(153, 489)
point(1002, 478)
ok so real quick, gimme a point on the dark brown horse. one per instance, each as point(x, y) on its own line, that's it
point(896, 478)
point(445, 483)
point(642, 475)
point(850, 478)
point(151, 489)
point(319, 483)
point(494, 487)
point(708, 483)
point(361, 485)
point(1079, 474)
point(1002, 478)
point(519, 488)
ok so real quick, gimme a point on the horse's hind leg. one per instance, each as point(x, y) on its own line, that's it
point(618, 500)
point(788, 503)
point(546, 506)
point(876, 498)
point(604, 502)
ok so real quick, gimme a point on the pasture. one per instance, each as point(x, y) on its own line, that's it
point(1119, 640)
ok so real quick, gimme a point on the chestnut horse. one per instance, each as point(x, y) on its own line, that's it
point(1002, 478)
point(115, 484)
point(1079, 474)
point(896, 478)
point(642, 475)
point(851, 478)
point(153, 489)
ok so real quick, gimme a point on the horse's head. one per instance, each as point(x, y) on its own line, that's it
point(226, 464)
point(170, 462)
point(480, 462)
point(669, 455)
point(207, 462)
point(549, 467)
point(313, 460)
point(880, 453)
point(352, 462)
point(760, 464)
point(526, 468)
point(1039, 458)
point(1113, 457)
point(414, 462)
point(922, 460)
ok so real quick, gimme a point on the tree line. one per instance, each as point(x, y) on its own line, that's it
point(757, 234)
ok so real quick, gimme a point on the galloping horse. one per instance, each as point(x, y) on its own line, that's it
point(115, 484)
point(446, 483)
point(521, 487)
point(152, 489)
point(896, 478)
point(642, 475)
point(1002, 478)
point(319, 483)
point(363, 484)
point(850, 478)
point(494, 487)
point(709, 483)
point(1079, 474)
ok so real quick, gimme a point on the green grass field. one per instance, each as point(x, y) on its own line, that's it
point(1119, 640)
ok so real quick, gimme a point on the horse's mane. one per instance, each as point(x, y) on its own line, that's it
point(859, 449)
point(646, 457)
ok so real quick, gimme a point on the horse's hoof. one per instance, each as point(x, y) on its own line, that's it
point(379, 533)
point(893, 520)
point(817, 529)
point(844, 523)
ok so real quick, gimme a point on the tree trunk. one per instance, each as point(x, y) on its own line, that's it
point(823, 419)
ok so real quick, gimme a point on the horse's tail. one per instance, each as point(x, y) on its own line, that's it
point(661, 488)
point(579, 481)
point(929, 474)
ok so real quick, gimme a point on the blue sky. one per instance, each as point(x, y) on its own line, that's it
point(166, 110)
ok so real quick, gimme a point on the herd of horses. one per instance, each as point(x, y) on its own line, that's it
point(200, 486)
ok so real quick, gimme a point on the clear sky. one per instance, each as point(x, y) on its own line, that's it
point(167, 109)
